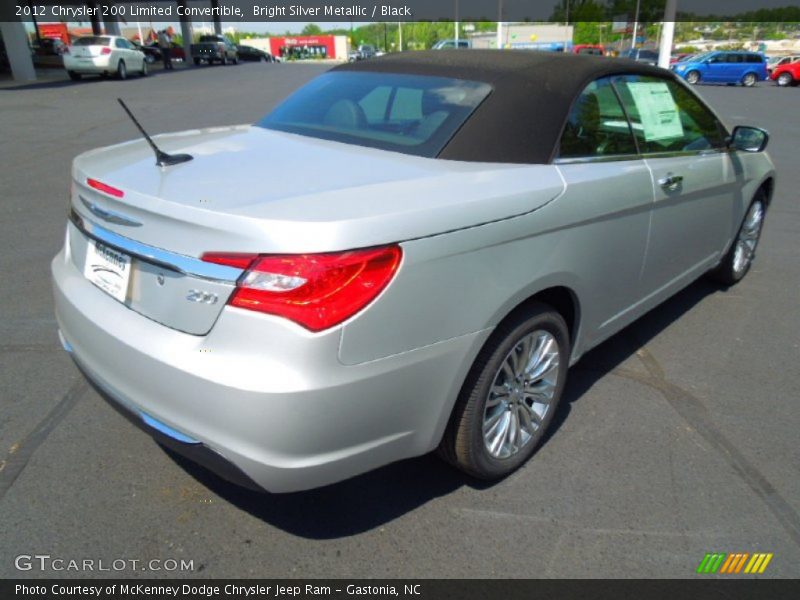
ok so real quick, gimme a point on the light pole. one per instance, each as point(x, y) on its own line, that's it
point(667, 34)
point(499, 24)
point(456, 25)
point(635, 25)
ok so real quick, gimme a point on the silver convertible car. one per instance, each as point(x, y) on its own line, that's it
point(407, 254)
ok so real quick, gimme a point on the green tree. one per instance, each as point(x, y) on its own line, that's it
point(311, 29)
point(580, 11)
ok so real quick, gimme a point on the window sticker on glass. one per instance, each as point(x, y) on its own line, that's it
point(657, 110)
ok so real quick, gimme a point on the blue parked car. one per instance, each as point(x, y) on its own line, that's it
point(746, 68)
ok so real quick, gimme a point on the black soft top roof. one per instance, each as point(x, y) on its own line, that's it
point(522, 119)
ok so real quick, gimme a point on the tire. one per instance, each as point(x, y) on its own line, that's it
point(236, 60)
point(784, 79)
point(196, 61)
point(693, 77)
point(224, 60)
point(74, 76)
point(737, 261)
point(487, 436)
point(749, 80)
point(122, 70)
point(144, 70)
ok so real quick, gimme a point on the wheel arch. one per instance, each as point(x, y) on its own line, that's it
point(768, 187)
point(562, 298)
point(565, 302)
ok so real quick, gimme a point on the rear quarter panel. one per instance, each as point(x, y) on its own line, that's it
point(468, 280)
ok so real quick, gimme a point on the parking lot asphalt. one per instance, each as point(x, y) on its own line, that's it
point(677, 437)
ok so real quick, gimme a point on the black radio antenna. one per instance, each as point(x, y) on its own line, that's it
point(162, 158)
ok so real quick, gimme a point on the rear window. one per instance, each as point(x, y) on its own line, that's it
point(412, 114)
point(92, 40)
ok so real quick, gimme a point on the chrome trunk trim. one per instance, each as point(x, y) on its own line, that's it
point(186, 265)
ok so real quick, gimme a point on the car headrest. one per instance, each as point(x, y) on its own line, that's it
point(345, 114)
point(432, 102)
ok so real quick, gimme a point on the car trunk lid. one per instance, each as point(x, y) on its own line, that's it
point(252, 190)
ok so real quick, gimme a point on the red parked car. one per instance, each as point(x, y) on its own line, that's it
point(588, 49)
point(786, 75)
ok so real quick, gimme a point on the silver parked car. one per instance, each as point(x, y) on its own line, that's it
point(438, 237)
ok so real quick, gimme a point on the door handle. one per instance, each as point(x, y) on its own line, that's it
point(671, 182)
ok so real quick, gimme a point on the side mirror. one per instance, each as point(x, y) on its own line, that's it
point(749, 139)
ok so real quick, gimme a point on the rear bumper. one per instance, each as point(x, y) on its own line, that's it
point(259, 393)
point(189, 448)
point(96, 64)
point(208, 55)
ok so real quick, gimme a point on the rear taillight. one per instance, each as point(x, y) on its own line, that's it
point(230, 259)
point(317, 291)
point(105, 50)
point(105, 188)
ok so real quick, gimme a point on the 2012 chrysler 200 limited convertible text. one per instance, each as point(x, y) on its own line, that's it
point(406, 254)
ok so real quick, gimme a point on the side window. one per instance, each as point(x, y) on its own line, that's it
point(596, 125)
point(717, 59)
point(120, 43)
point(666, 117)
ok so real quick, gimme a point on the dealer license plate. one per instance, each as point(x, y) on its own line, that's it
point(108, 269)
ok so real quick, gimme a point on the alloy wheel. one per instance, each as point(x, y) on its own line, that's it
point(521, 395)
point(748, 238)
